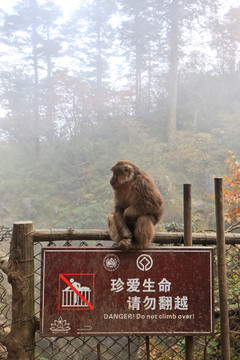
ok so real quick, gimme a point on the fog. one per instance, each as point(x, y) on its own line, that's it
point(86, 83)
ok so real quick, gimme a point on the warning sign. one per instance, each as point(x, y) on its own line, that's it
point(102, 291)
point(76, 292)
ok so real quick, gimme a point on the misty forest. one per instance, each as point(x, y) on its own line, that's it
point(154, 82)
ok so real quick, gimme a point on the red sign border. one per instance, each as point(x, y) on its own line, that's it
point(138, 333)
point(91, 306)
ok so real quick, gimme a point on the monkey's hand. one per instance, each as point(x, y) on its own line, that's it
point(126, 233)
point(124, 244)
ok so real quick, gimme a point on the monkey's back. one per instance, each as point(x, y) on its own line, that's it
point(147, 195)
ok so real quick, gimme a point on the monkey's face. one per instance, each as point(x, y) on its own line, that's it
point(122, 173)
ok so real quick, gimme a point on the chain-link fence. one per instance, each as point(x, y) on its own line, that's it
point(121, 347)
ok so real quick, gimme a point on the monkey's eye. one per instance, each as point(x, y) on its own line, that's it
point(116, 173)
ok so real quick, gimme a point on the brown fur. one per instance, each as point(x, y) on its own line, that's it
point(138, 206)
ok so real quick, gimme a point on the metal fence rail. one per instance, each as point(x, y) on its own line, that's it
point(120, 347)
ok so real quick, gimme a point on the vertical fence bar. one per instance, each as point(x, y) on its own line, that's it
point(129, 348)
point(99, 351)
point(222, 270)
point(21, 340)
point(187, 214)
point(187, 217)
point(147, 347)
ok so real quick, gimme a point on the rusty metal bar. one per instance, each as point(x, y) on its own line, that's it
point(99, 350)
point(222, 270)
point(129, 348)
point(147, 348)
point(187, 216)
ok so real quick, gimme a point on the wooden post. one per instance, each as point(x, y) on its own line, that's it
point(21, 343)
point(187, 216)
point(222, 270)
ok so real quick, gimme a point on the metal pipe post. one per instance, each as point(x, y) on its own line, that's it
point(222, 269)
point(187, 216)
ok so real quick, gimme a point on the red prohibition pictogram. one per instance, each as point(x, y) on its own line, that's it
point(74, 296)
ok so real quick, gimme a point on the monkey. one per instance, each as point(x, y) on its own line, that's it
point(138, 206)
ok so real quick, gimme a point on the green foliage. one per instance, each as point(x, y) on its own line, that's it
point(174, 227)
point(177, 227)
point(67, 185)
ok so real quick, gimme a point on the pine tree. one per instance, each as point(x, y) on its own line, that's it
point(27, 34)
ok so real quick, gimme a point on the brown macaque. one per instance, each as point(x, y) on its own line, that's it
point(138, 206)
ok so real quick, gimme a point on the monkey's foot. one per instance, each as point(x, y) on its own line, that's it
point(125, 244)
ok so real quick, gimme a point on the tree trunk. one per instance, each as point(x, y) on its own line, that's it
point(49, 128)
point(138, 71)
point(36, 93)
point(20, 342)
point(173, 72)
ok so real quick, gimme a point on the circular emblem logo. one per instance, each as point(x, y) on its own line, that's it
point(111, 262)
point(144, 262)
